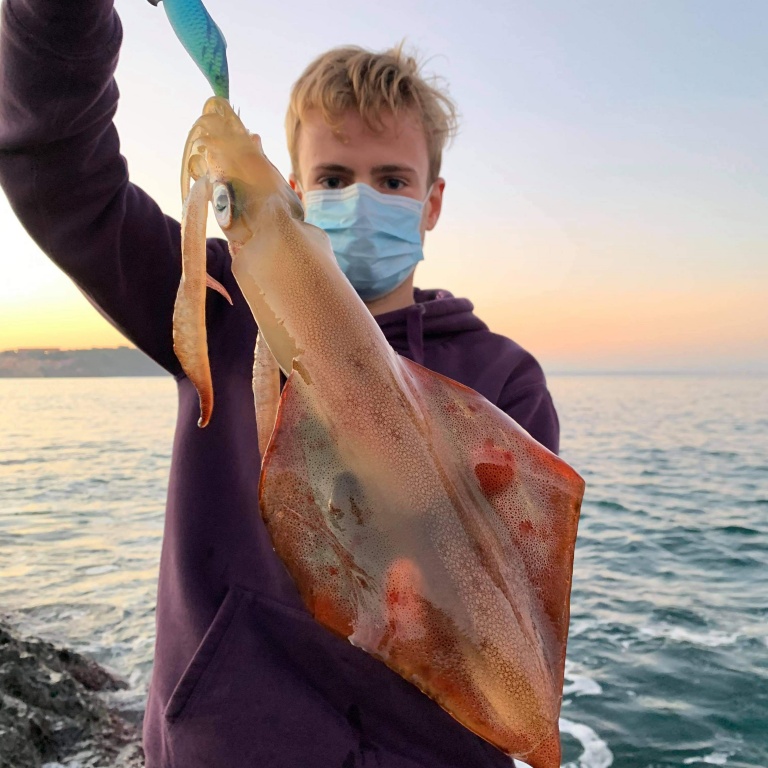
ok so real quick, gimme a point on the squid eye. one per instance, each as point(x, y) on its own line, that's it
point(222, 205)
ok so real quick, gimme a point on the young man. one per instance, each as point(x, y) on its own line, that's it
point(243, 676)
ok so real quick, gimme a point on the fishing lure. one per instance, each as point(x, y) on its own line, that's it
point(202, 39)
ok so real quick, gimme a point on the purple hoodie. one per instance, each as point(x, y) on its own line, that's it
point(243, 676)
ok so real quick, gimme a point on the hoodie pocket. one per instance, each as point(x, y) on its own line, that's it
point(245, 700)
point(192, 682)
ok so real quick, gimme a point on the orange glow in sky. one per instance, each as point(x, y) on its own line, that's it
point(605, 197)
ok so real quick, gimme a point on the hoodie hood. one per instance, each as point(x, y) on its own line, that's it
point(436, 313)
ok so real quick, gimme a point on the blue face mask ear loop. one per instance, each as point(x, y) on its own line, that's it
point(423, 208)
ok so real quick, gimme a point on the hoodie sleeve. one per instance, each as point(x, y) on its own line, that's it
point(527, 400)
point(61, 168)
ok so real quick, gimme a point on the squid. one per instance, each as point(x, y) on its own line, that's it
point(418, 521)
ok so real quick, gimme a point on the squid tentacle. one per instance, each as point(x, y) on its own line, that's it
point(190, 340)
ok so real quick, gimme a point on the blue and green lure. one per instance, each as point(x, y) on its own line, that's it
point(202, 39)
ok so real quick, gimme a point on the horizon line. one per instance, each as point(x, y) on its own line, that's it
point(555, 370)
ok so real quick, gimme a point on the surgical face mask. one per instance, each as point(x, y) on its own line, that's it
point(376, 237)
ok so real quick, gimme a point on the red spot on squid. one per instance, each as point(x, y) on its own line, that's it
point(494, 478)
point(526, 526)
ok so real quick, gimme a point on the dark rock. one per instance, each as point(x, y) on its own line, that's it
point(52, 709)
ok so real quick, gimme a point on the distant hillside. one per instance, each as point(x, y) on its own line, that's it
point(55, 363)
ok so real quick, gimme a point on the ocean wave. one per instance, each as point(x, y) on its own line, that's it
point(712, 638)
point(716, 758)
point(579, 684)
point(595, 752)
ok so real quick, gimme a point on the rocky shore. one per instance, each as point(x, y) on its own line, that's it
point(55, 710)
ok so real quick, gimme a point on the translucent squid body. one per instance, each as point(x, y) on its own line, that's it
point(418, 520)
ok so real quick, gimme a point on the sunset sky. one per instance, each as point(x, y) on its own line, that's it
point(606, 197)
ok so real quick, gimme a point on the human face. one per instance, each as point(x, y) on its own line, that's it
point(394, 161)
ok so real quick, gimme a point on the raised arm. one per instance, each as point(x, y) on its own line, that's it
point(61, 168)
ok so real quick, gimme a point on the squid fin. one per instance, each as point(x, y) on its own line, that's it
point(469, 600)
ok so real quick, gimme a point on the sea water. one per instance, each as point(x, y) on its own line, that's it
point(668, 647)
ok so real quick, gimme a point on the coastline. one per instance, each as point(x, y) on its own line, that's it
point(46, 363)
point(124, 361)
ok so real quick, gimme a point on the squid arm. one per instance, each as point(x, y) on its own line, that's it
point(190, 341)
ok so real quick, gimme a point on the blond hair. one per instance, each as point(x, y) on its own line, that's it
point(372, 83)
